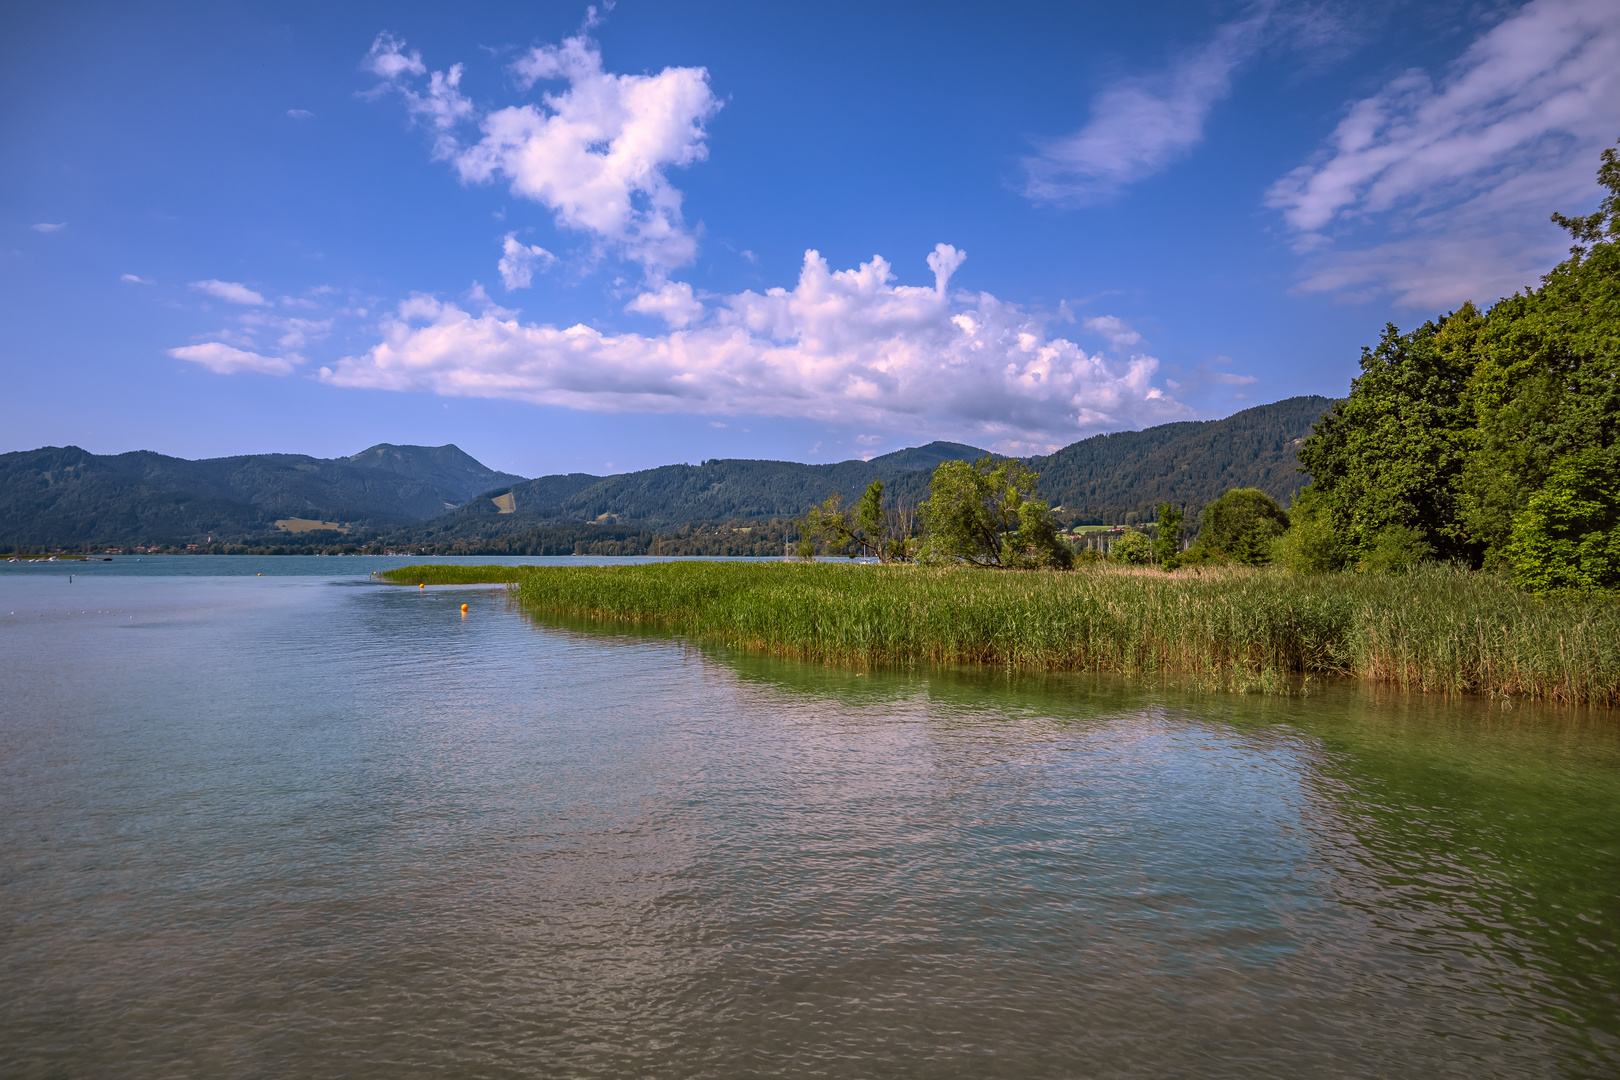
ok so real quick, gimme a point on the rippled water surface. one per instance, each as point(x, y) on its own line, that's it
point(307, 825)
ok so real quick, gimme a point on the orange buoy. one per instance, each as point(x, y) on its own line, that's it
point(423, 585)
point(464, 609)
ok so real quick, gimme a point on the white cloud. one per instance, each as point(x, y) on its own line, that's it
point(218, 357)
point(388, 58)
point(300, 114)
point(230, 291)
point(1116, 330)
point(441, 108)
point(519, 261)
point(136, 279)
point(48, 226)
point(292, 333)
point(673, 302)
point(1141, 125)
point(1462, 173)
point(595, 154)
point(847, 347)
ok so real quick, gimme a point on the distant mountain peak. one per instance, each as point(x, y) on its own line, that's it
point(449, 465)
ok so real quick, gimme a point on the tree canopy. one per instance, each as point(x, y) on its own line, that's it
point(1240, 527)
point(1484, 437)
point(987, 514)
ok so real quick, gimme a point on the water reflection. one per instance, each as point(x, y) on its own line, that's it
point(282, 827)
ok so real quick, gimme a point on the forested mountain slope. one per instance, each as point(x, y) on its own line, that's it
point(64, 496)
point(1124, 476)
point(718, 490)
point(68, 496)
point(448, 467)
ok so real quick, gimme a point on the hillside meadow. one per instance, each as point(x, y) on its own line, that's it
point(1436, 629)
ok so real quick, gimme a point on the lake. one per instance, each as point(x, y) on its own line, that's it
point(304, 824)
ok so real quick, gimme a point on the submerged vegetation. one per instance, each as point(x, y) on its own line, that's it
point(1435, 629)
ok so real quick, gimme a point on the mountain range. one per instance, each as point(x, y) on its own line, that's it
point(68, 496)
point(403, 495)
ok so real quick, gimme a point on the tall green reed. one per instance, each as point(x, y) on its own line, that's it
point(1438, 629)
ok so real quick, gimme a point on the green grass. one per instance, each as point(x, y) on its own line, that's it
point(456, 575)
point(1436, 630)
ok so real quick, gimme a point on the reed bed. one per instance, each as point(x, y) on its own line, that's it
point(438, 574)
point(1439, 629)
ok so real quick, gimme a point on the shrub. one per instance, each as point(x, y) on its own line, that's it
point(1397, 549)
point(1311, 545)
point(1131, 548)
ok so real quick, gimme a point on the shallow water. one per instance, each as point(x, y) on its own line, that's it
point(309, 825)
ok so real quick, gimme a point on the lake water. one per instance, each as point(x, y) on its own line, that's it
point(306, 825)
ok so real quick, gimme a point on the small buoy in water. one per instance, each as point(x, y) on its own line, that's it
point(258, 575)
point(423, 585)
point(464, 609)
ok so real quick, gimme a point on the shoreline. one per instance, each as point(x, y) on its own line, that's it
point(1435, 630)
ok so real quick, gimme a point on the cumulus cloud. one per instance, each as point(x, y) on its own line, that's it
point(230, 291)
point(48, 226)
point(1461, 172)
point(673, 302)
point(1141, 125)
point(223, 359)
point(847, 346)
point(596, 153)
point(136, 279)
point(300, 114)
point(519, 261)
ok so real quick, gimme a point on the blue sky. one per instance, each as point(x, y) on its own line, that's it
point(577, 239)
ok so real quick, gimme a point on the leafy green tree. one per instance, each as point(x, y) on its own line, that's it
point(1167, 545)
point(1392, 453)
point(1568, 537)
point(987, 514)
point(829, 525)
point(1131, 547)
point(1240, 526)
point(867, 529)
point(1547, 381)
point(886, 535)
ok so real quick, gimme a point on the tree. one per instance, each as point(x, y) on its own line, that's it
point(1240, 527)
point(868, 529)
point(884, 533)
point(1547, 382)
point(1392, 453)
point(986, 514)
point(1167, 545)
point(828, 524)
point(1132, 547)
point(1568, 537)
